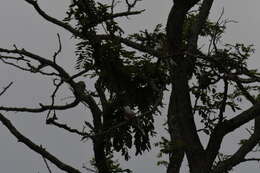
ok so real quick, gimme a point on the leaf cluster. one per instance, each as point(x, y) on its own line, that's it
point(123, 76)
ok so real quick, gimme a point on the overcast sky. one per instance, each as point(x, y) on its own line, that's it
point(22, 26)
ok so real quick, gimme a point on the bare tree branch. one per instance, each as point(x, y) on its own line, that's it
point(251, 159)
point(242, 118)
point(6, 88)
point(58, 51)
point(79, 73)
point(36, 148)
point(47, 165)
point(69, 28)
point(116, 15)
point(54, 95)
point(52, 121)
point(51, 19)
point(43, 61)
point(131, 5)
point(80, 94)
point(42, 107)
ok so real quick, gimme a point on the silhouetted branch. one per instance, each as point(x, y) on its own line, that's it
point(59, 49)
point(36, 148)
point(79, 73)
point(80, 94)
point(41, 60)
point(131, 5)
point(42, 107)
point(52, 121)
point(251, 159)
point(239, 155)
point(6, 88)
point(52, 19)
point(57, 86)
point(47, 165)
point(132, 44)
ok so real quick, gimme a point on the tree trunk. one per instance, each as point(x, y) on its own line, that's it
point(176, 157)
point(100, 156)
point(180, 118)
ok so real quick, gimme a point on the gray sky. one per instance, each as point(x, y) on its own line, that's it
point(21, 25)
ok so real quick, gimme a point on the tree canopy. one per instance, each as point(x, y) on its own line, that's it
point(132, 73)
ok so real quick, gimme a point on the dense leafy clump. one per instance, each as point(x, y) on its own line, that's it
point(123, 76)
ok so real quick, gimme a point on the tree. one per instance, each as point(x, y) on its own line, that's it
point(130, 75)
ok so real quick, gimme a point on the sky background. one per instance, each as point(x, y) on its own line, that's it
point(22, 26)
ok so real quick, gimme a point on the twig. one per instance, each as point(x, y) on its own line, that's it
point(131, 5)
point(41, 60)
point(59, 49)
point(53, 96)
point(52, 121)
point(6, 88)
point(79, 74)
point(113, 4)
point(47, 165)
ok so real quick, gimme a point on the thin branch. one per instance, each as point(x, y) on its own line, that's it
point(122, 14)
point(113, 4)
point(46, 164)
point(246, 93)
point(251, 159)
point(52, 19)
point(68, 27)
point(131, 44)
point(113, 16)
point(15, 65)
point(79, 74)
point(6, 88)
point(251, 78)
point(52, 121)
point(81, 95)
point(131, 5)
point(58, 51)
point(214, 38)
point(31, 68)
point(54, 95)
point(42, 107)
point(21, 58)
point(43, 61)
point(36, 148)
point(38, 70)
